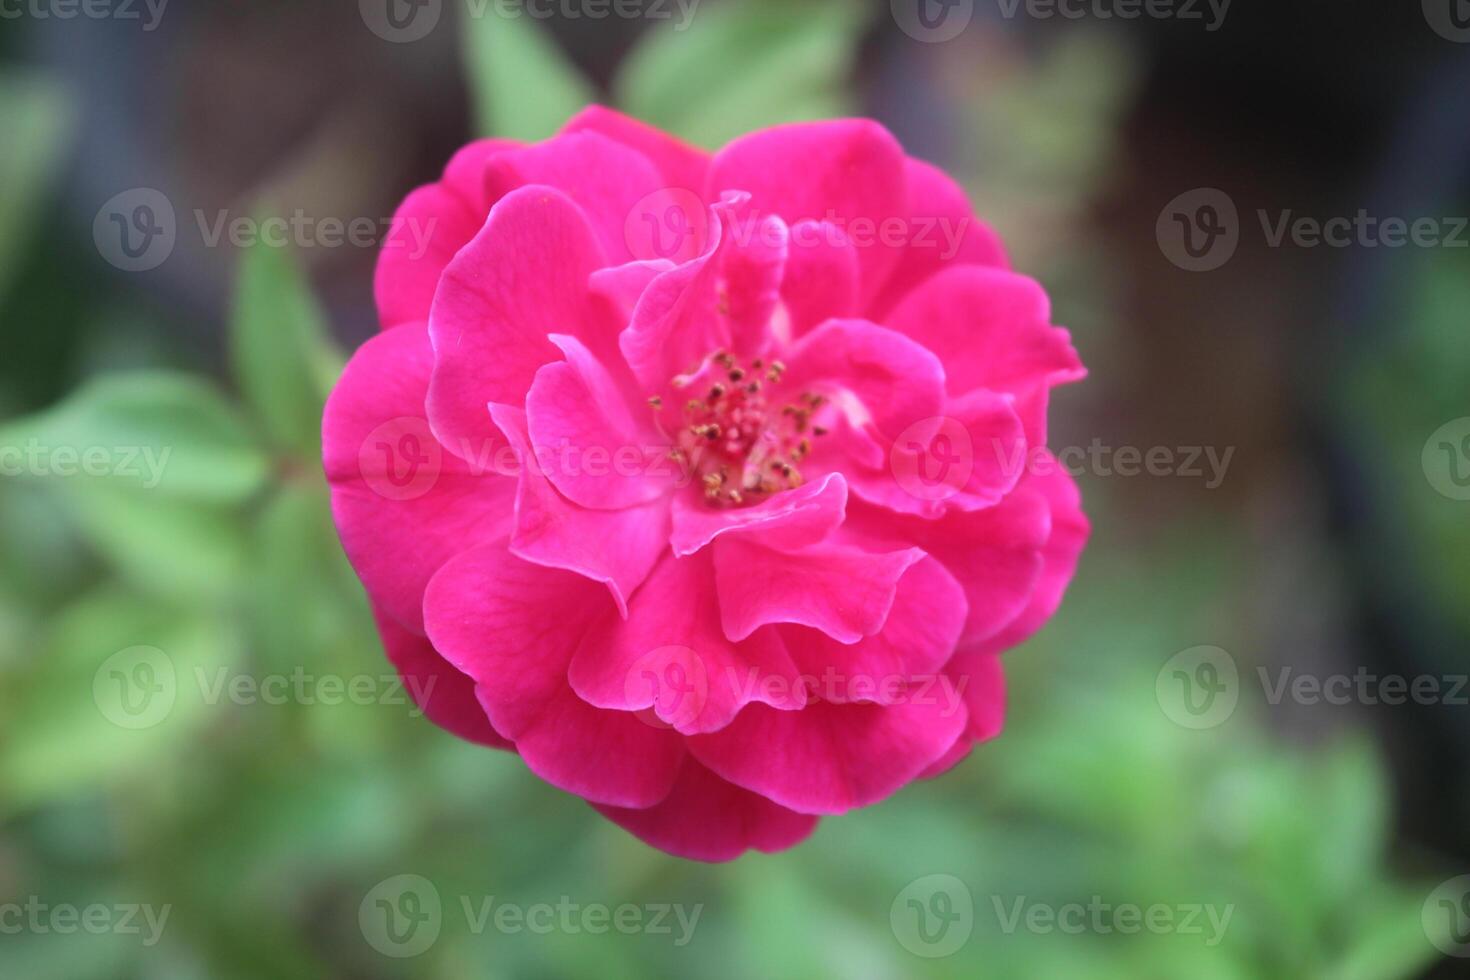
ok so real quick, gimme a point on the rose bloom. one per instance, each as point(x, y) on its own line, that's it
point(713, 486)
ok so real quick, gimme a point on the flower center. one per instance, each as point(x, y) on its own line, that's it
point(732, 436)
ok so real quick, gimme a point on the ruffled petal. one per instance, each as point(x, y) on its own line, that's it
point(682, 166)
point(402, 504)
point(845, 592)
point(929, 611)
point(612, 183)
point(822, 277)
point(831, 758)
point(980, 679)
point(615, 547)
point(790, 519)
point(971, 460)
point(433, 223)
point(940, 231)
point(995, 554)
point(670, 656)
point(513, 626)
point(1070, 530)
point(850, 172)
point(593, 446)
point(445, 695)
point(522, 278)
point(705, 818)
point(992, 329)
point(897, 383)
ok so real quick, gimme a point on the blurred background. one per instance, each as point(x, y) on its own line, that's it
point(1240, 750)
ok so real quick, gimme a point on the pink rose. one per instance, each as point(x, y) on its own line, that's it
point(712, 486)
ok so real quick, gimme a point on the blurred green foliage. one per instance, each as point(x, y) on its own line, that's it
point(262, 827)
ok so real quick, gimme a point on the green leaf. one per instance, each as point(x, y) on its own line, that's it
point(307, 606)
point(742, 66)
point(1391, 943)
point(154, 469)
point(284, 359)
point(68, 728)
point(170, 436)
point(175, 549)
point(36, 117)
point(521, 84)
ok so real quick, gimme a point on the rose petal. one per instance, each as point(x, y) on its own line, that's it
point(831, 758)
point(821, 281)
point(941, 230)
point(929, 611)
point(681, 165)
point(445, 695)
point(849, 172)
point(433, 223)
point(706, 818)
point(618, 548)
point(792, 518)
point(609, 181)
point(898, 383)
point(593, 447)
point(402, 504)
point(843, 591)
point(1070, 530)
point(992, 329)
point(513, 626)
point(670, 655)
point(522, 278)
point(995, 554)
